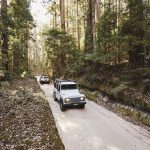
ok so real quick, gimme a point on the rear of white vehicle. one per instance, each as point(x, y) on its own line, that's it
point(67, 93)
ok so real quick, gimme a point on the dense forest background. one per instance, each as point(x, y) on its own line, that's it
point(15, 27)
point(79, 33)
point(104, 32)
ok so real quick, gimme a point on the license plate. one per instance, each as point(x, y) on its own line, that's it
point(75, 104)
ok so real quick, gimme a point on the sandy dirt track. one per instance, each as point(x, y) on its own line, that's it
point(95, 128)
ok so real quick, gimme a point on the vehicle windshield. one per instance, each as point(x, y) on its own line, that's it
point(46, 77)
point(68, 86)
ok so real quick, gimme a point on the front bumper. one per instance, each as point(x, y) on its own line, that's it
point(75, 104)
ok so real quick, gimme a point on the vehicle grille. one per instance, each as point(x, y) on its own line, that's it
point(77, 99)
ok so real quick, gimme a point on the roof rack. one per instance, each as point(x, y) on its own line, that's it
point(60, 80)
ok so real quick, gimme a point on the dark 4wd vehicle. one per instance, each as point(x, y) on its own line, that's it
point(67, 93)
point(44, 79)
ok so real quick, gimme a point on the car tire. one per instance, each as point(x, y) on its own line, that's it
point(82, 106)
point(62, 107)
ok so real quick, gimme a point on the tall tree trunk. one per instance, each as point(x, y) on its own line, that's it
point(63, 28)
point(26, 57)
point(4, 37)
point(85, 16)
point(97, 10)
point(118, 23)
point(53, 20)
point(54, 15)
point(16, 54)
point(89, 45)
point(67, 18)
point(26, 64)
point(62, 14)
point(78, 26)
point(94, 22)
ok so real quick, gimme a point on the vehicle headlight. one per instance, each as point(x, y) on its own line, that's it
point(82, 98)
point(67, 100)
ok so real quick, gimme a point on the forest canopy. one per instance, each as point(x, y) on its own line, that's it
point(96, 31)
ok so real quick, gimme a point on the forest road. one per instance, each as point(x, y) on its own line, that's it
point(95, 128)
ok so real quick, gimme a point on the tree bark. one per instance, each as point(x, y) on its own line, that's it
point(97, 10)
point(89, 45)
point(78, 26)
point(94, 22)
point(67, 17)
point(63, 28)
point(4, 37)
point(118, 23)
point(26, 57)
point(62, 14)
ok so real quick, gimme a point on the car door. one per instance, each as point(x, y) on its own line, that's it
point(58, 91)
point(59, 88)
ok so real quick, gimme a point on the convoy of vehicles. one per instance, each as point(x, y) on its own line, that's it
point(66, 92)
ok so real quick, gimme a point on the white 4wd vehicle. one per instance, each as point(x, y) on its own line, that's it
point(66, 92)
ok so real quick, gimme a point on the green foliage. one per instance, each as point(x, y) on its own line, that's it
point(61, 51)
point(110, 44)
point(135, 29)
point(120, 88)
point(21, 23)
point(136, 116)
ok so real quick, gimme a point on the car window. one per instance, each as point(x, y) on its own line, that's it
point(68, 86)
point(55, 85)
point(58, 87)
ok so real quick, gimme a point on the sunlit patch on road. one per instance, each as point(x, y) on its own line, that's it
point(113, 148)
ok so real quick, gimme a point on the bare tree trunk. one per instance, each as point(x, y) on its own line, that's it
point(26, 53)
point(94, 22)
point(118, 23)
point(53, 21)
point(63, 28)
point(67, 13)
point(54, 15)
point(84, 17)
point(97, 10)
point(16, 55)
point(78, 26)
point(4, 37)
point(26, 64)
point(89, 45)
point(62, 14)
